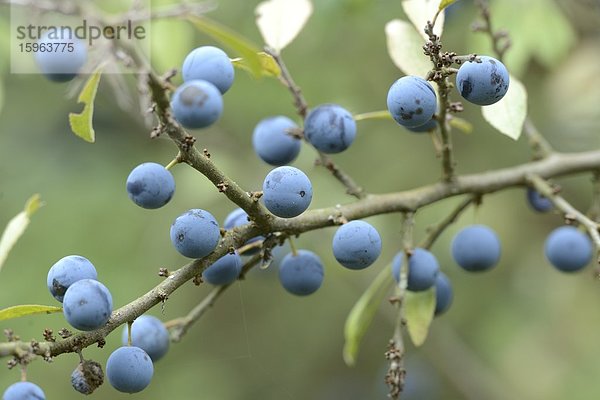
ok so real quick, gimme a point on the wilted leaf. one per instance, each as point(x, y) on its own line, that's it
point(421, 11)
point(81, 124)
point(418, 312)
point(28, 309)
point(405, 47)
point(280, 21)
point(244, 47)
point(268, 64)
point(446, 3)
point(508, 115)
point(361, 315)
point(16, 226)
point(383, 114)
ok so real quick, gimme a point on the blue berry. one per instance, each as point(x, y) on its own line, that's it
point(239, 217)
point(538, 202)
point(195, 233)
point(330, 128)
point(423, 269)
point(67, 271)
point(287, 192)
point(476, 248)
point(210, 64)
point(301, 274)
point(568, 249)
point(23, 391)
point(197, 104)
point(149, 334)
point(61, 66)
point(87, 305)
point(356, 245)
point(443, 294)
point(273, 142)
point(129, 369)
point(482, 83)
point(150, 185)
point(87, 377)
point(411, 101)
point(223, 271)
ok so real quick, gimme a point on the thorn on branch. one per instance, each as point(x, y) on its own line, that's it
point(65, 333)
point(48, 335)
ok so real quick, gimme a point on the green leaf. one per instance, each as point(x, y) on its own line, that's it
point(508, 115)
point(361, 315)
point(384, 114)
point(280, 21)
point(244, 47)
point(446, 3)
point(461, 124)
point(81, 124)
point(421, 11)
point(418, 312)
point(16, 226)
point(27, 309)
point(405, 47)
point(268, 65)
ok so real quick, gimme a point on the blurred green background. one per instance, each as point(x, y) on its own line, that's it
point(520, 331)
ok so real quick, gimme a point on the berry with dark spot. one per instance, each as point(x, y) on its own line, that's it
point(287, 192)
point(150, 185)
point(273, 142)
point(411, 101)
point(482, 83)
point(356, 245)
point(195, 233)
point(210, 64)
point(301, 274)
point(129, 369)
point(330, 128)
point(67, 271)
point(197, 104)
point(87, 305)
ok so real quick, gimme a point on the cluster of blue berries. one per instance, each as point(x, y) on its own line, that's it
point(412, 101)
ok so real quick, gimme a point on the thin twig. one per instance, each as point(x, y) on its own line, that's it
point(540, 147)
point(435, 231)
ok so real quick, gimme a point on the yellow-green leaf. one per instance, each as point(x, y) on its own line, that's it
point(384, 114)
point(280, 21)
point(362, 314)
point(81, 124)
point(16, 226)
point(244, 47)
point(405, 48)
point(418, 312)
point(268, 64)
point(508, 115)
point(27, 309)
point(446, 3)
point(461, 124)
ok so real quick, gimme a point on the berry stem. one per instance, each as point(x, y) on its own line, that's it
point(293, 247)
point(174, 162)
point(129, 325)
